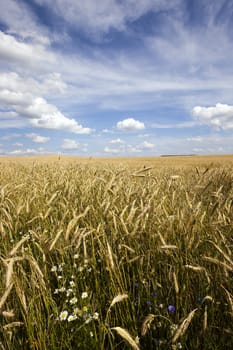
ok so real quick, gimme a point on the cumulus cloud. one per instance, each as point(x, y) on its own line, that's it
point(47, 116)
point(38, 138)
point(16, 95)
point(220, 116)
point(130, 124)
point(15, 98)
point(146, 146)
point(112, 150)
point(69, 144)
point(122, 149)
point(133, 149)
point(12, 82)
point(125, 149)
point(117, 141)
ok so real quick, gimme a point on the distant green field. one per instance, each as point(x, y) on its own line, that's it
point(116, 254)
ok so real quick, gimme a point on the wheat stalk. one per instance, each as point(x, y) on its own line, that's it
point(183, 326)
point(12, 324)
point(126, 336)
point(175, 283)
point(110, 257)
point(5, 295)
point(117, 299)
point(218, 262)
point(18, 245)
point(146, 324)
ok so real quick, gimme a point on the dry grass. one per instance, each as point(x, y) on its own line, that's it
point(114, 253)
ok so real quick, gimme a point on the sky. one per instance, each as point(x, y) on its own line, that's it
point(116, 77)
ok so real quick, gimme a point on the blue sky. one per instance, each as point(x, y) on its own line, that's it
point(116, 77)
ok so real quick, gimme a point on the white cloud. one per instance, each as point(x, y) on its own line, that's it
point(14, 50)
point(220, 116)
point(186, 124)
point(107, 131)
point(146, 146)
point(15, 98)
point(18, 18)
point(4, 115)
point(38, 138)
point(133, 149)
point(22, 100)
point(130, 124)
point(122, 149)
point(117, 141)
point(129, 149)
point(28, 151)
point(112, 150)
point(70, 144)
point(54, 82)
point(13, 84)
point(47, 116)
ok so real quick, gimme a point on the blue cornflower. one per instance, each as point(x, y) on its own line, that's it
point(171, 309)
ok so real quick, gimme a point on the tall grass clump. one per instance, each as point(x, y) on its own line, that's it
point(101, 256)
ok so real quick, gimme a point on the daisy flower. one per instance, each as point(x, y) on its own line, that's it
point(63, 315)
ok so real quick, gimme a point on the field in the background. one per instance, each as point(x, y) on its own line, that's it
point(116, 253)
point(163, 161)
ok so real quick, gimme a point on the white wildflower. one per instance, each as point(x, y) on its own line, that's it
point(72, 318)
point(69, 291)
point(63, 315)
point(73, 301)
point(54, 268)
point(88, 320)
point(60, 267)
point(96, 316)
point(84, 295)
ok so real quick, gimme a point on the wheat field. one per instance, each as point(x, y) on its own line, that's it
point(116, 254)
